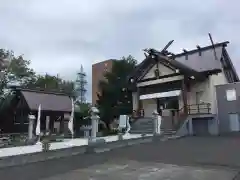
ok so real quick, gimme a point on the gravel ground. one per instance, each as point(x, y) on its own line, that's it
point(186, 158)
point(134, 170)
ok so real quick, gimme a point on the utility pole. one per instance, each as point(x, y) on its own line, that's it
point(80, 86)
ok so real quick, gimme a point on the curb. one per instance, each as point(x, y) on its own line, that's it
point(93, 148)
point(171, 138)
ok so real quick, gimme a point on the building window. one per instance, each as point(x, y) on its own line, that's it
point(234, 122)
point(231, 95)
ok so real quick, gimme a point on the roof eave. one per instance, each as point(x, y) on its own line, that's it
point(137, 70)
point(40, 90)
point(224, 44)
point(231, 64)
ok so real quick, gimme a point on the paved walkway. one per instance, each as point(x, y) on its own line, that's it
point(134, 170)
point(189, 158)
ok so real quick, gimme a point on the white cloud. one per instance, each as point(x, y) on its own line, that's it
point(60, 35)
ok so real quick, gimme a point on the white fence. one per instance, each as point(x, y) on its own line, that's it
point(20, 150)
point(67, 143)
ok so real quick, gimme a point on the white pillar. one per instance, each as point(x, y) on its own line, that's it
point(135, 100)
point(157, 122)
point(95, 120)
point(31, 119)
point(94, 130)
point(128, 125)
point(97, 123)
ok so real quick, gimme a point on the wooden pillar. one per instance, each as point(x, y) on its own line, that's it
point(136, 100)
point(51, 124)
point(62, 124)
point(47, 120)
point(184, 96)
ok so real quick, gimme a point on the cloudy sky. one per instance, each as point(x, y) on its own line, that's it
point(60, 35)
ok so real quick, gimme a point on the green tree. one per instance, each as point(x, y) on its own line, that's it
point(68, 87)
point(83, 108)
point(17, 71)
point(115, 99)
point(46, 82)
point(55, 83)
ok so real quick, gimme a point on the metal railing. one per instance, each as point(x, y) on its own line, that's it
point(178, 116)
point(203, 108)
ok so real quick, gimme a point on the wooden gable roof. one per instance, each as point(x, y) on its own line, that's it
point(196, 62)
point(170, 64)
point(50, 101)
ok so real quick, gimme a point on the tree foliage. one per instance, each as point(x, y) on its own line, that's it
point(83, 108)
point(115, 99)
point(16, 72)
point(50, 82)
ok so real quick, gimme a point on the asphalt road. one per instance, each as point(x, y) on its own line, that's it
point(187, 158)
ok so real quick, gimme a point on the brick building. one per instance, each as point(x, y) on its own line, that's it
point(98, 71)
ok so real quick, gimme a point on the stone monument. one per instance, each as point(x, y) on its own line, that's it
point(157, 122)
point(95, 121)
point(31, 119)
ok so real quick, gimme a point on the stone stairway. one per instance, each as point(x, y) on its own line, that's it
point(169, 132)
point(146, 126)
point(142, 126)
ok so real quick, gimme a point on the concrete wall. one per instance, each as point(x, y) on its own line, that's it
point(188, 129)
point(191, 95)
point(213, 126)
point(198, 87)
point(149, 105)
point(209, 91)
point(224, 107)
point(215, 80)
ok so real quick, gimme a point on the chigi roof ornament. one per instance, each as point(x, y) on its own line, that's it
point(199, 50)
point(153, 53)
point(214, 50)
point(186, 55)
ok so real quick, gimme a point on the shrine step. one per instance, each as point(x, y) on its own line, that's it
point(141, 132)
point(168, 131)
point(142, 126)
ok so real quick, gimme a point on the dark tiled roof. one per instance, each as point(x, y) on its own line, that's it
point(205, 62)
point(193, 51)
point(48, 101)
